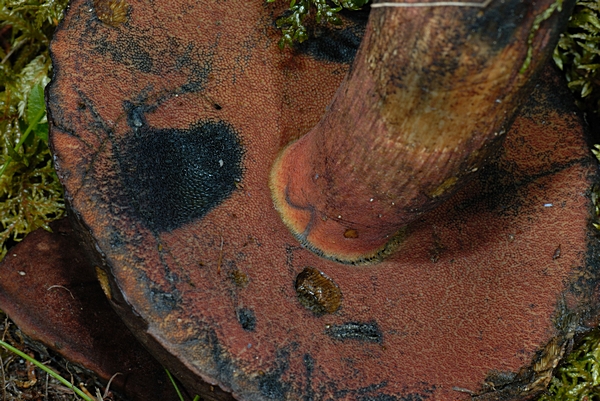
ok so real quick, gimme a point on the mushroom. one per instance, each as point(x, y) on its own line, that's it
point(171, 126)
point(428, 99)
point(50, 291)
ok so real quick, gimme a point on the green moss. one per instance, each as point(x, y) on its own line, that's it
point(578, 54)
point(579, 377)
point(30, 194)
point(547, 13)
point(325, 12)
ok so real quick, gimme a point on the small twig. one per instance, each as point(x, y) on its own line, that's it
point(435, 4)
point(3, 379)
point(5, 332)
point(220, 257)
point(60, 286)
point(13, 50)
point(46, 390)
point(107, 391)
point(4, 41)
point(86, 391)
point(463, 390)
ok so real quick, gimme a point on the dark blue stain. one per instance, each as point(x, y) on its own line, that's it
point(164, 302)
point(116, 240)
point(246, 318)
point(271, 387)
point(382, 397)
point(175, 176)
point(356, 331)
point(497, 25)
point(333, 44)
point(386, 397)
point(126, 50)
point(309, 364)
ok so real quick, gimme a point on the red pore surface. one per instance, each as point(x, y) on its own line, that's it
point(428, 99)
point(165, 123)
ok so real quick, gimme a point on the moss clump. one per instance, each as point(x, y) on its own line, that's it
point(325, 12)
point(578, 55)
point(30, 194)
point(579, 377)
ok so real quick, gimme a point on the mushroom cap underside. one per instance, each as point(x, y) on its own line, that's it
point(164, 128)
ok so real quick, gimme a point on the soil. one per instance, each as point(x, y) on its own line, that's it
point(22, 380)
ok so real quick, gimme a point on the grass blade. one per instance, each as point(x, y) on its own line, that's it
point(174, 384)
point(47, 370)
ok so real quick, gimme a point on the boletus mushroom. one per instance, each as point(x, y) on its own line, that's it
point(422, 247)
point(428, 99)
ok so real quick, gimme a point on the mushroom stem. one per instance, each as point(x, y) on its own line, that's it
point(428, 99)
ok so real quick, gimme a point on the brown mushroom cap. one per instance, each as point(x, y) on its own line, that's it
point(49, 289)
point(206, 273)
